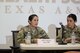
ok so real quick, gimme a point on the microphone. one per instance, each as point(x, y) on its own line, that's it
point(63, 27)
point(61, 24)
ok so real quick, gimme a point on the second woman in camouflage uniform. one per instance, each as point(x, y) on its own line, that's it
point(69, 28)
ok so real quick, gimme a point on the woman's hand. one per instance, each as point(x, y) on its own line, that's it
point(34, 40)
point(78, 40)
point(67, 40)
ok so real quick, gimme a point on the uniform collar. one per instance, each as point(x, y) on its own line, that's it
point(71, 28)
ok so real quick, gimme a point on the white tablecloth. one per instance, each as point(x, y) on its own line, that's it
point(49, 47)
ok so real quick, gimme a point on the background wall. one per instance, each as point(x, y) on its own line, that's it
point(16, 12)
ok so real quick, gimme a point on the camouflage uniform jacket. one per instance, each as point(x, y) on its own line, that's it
point(67, 33)
point(37, 33)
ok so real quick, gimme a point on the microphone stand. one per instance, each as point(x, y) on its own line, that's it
point(62, 43)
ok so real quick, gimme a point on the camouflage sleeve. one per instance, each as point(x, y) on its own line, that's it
point(43, 34)
point(78, 33)
point(20, 36)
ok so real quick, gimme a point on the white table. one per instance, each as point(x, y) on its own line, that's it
point(50, 47)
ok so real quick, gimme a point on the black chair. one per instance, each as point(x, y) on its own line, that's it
point(57, 31)
point(15, 47)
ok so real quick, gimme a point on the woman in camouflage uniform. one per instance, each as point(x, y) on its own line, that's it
point(35, 31)
point(69, 28)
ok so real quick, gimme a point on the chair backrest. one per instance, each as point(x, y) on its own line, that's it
point(15, 43)
point(57, 30)
point(52, 31)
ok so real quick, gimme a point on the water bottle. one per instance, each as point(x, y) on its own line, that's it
point(73, 38)
point(28, 38)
